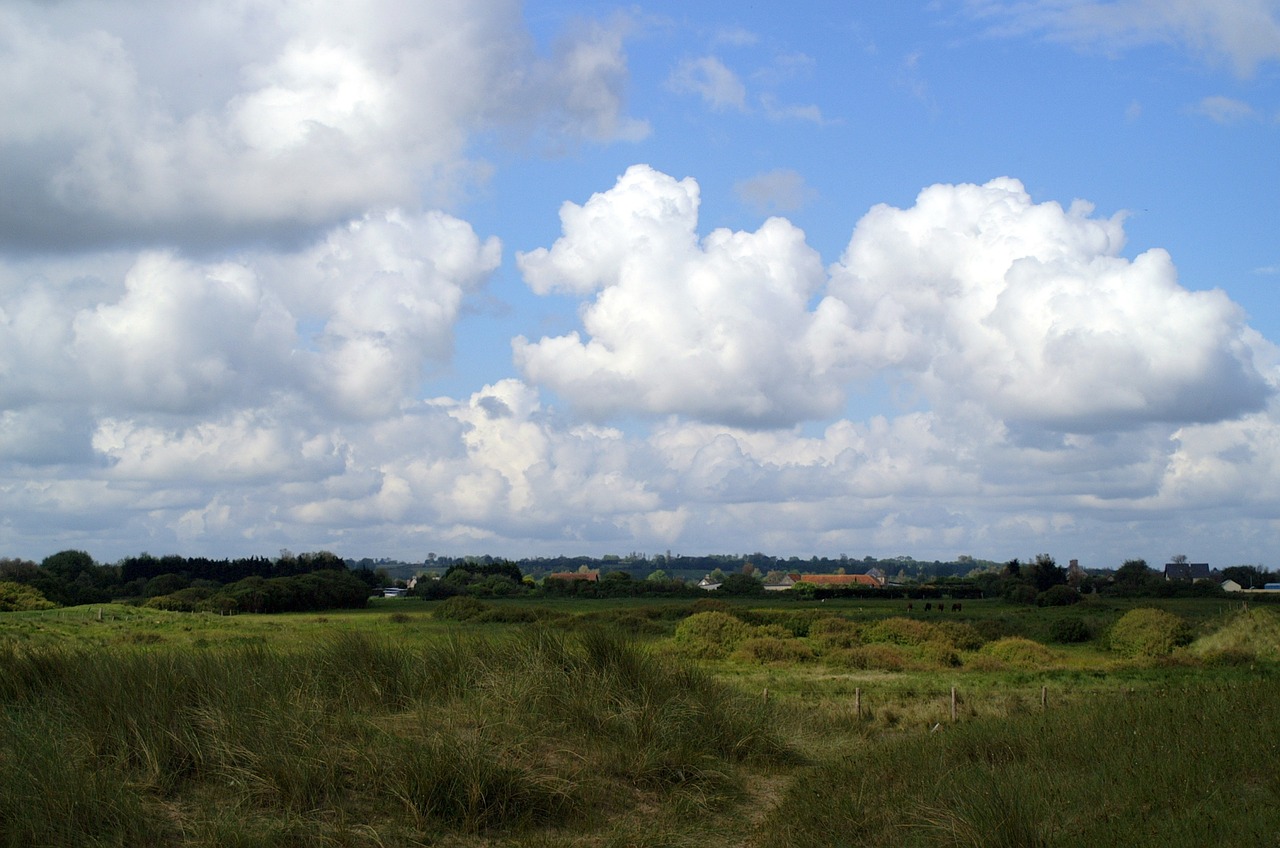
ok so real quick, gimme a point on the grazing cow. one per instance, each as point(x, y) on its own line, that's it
point(928, 607)
point(910, 607)
point(955, 607)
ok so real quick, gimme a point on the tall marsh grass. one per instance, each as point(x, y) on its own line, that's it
point(355, 741)
point(1178, 767)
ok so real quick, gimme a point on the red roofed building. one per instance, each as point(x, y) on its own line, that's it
point(839, 580)
point(589, 576)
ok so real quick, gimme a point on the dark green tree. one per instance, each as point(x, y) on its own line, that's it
point(1134, 574)
point(1044, 573)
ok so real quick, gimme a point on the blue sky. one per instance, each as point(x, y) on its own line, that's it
point(879, 278)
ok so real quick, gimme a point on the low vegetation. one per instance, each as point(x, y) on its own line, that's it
point(521, 721)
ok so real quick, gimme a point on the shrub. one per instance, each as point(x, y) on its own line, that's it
point(903, 631)
point(936, 653)
point(1018, 652)
point(1253, 632)
point(881, 657)
point(1069, 631)
point(183, 600)
point(15, 597)
point(962, 635)
point(795, 622)
point(1149, 632)
point(835, 632)
point(771, 649)
point(710, 605)
point(1020, 593)
point(461, 608)
point(1058, 596)
point(711, 635)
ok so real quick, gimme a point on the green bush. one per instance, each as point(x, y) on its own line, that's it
point(16, 597)
point(936, 653)
point(1149, 632)
point(835, 632)
point(1017, 652)
point(1253, 632)
point(772, 649)
point(903, 631)
point(1020, 593)
point(461, 608)
point(879, 657)
point(962, 635)
point(710, 605)
point(1069, 631)
point(183, 600)
point(711, 635)
point(1058, 596)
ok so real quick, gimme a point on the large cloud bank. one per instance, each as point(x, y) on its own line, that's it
point(275, 398)
point(227, 290)
point(975, 295)
point(207, 122)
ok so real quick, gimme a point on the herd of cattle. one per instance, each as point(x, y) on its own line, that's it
point(928, 607)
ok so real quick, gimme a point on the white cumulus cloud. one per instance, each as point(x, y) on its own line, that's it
point(978, 294)
point(719, 328)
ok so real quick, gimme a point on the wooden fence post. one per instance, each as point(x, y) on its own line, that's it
point(857, 702)
point(953, 704)
point(1044, 697)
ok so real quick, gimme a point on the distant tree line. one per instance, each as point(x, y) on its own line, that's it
point(308, 581)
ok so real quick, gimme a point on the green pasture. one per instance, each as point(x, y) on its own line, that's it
point(638, 722)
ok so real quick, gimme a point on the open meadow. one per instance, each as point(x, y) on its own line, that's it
point(649, 723)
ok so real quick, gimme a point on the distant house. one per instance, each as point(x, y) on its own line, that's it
point(1231, 586)
point(782, 585)
point(393, 592)
point(569, 576)
point(1188, 571)
point(836, 580)
point(709, 584)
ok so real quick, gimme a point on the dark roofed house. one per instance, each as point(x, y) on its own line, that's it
point(1189, 571)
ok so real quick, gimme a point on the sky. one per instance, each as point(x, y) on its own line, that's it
point(400, 277)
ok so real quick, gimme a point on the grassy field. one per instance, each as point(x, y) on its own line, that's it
point(614, 723)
